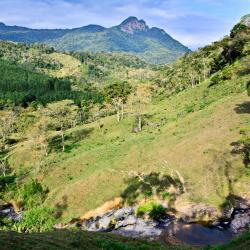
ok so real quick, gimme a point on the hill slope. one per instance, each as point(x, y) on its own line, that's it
point(131, 36)
point(195, 122)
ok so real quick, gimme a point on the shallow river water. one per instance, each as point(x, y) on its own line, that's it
point(196, 234)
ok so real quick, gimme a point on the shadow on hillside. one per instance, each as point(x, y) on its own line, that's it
point(235, 201)
point(226, 178)
point(240, 148)
point(243, 108)
point(79, 135)
point(71, 140)
point(60, 207)
point(145, 186)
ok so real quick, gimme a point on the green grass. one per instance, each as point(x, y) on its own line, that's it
point(240, 243)
point(75, 240)
point(64, 239)
point(154, 209)
point(199, 125)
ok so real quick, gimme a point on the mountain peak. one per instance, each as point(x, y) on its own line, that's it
point(133, 24)
point(2, 24)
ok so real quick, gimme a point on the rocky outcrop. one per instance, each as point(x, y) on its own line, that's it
point(197, 213)
point(132, 24)
point(8, 211)
point(241, 221)
point(124, 221)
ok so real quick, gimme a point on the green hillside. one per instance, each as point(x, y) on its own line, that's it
point(131, 36)
point(188, 121)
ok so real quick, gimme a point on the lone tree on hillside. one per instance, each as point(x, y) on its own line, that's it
point(117, 95)
point(139, 101)
point(62, 115)
point(7, 124)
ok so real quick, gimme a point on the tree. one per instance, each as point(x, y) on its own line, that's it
point(117, 95)
point(62, 115)
point(139, 100)
point(4, 166)
point(7, 124)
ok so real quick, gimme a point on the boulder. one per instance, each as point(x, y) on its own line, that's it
point(240, 222)
point(128, 221)
point(123, 213)
point(105, 223)
point(241, 203)
point(197, 213)
point(90, 225)
point(140, 229)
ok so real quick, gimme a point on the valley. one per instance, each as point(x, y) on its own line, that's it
point(86, 133)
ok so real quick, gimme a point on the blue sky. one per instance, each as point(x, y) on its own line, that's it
point(193, 22)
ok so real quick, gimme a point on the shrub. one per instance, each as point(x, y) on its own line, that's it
point(190, 108)
point(215, 79)
point(39, 219)
point(32, 194)
point(154, 209)
point(7, 181)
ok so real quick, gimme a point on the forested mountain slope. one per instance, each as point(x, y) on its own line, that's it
point(132, 36)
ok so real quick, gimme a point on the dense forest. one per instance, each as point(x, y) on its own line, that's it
point(20, 86)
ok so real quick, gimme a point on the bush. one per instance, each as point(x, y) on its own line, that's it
point(154, 209)
point(39, 219)
point(215, 79)
point(32, 194)
point(6, 181)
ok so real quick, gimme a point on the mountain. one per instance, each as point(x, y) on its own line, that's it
point(133, 36)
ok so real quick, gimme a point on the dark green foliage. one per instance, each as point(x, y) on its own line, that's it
point(32, 194)
point(196, 67)
point(238, 28)
point(117, 90)
point(154, 209)
point(231, 51)
point(37, 219)
point(248, 88)
point(23, 87)
point(215, 79)
point(32, 57)
point(6, 181)
point(109, 60)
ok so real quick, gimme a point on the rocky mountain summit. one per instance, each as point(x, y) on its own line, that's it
point(132, 24)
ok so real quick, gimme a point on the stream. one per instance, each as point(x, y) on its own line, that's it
point(195, 234)
point(170, 230)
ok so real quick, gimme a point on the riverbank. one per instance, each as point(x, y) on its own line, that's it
point(169, 229)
